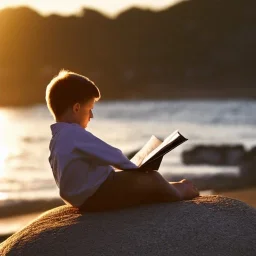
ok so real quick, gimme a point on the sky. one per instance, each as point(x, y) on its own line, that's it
point(64, 7)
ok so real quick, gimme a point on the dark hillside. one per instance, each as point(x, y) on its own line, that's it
point(195, 49)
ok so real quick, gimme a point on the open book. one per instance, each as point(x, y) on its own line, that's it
point(150, 156)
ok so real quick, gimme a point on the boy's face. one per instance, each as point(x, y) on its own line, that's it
point(83, 112)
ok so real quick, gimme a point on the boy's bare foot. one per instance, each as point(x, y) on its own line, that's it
point(186, 188)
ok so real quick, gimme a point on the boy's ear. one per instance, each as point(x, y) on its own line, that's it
point(76, 107)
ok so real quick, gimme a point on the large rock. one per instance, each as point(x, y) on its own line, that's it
point(211, 225)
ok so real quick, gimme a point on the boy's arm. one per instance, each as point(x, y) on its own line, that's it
point(104, 153)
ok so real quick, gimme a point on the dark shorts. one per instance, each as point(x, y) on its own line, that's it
point(123, 189)
point(102, 195)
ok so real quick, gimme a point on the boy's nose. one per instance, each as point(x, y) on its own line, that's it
point(91, 116)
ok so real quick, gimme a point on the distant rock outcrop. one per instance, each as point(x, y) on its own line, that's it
point(223, 155)
point(248, 167)
point(212, 225)
point(226, 155)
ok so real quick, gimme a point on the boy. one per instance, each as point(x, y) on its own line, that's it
point(84, 166)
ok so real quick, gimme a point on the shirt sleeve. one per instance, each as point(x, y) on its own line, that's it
point(102, 152)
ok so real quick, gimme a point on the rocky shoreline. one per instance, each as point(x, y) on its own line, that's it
point(223, 155)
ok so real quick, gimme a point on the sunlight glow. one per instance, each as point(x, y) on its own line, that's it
point(4, 151)
point(111, 7)
point(3, 196)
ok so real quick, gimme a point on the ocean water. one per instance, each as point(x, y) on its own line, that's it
point(25, 174)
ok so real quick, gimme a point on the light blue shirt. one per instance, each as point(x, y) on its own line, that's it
point(81, 162)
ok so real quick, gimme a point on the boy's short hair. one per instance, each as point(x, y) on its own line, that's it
point(68, 88)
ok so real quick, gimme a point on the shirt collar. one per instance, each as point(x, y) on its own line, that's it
point(56, 127)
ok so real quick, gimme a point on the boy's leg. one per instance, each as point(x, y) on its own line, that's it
point(124, 189)
point(186, 189)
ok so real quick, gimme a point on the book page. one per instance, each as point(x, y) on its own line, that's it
point(152, 144)
point(169, 139)
point(150, 156)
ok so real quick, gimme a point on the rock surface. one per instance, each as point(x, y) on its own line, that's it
point(209, 225)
